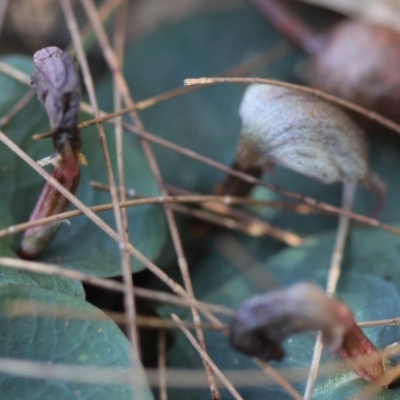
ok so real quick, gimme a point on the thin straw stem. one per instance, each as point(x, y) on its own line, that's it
point(349, 190)
point(206, 358)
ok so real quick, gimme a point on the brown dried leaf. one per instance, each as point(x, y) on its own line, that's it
point(384, 12)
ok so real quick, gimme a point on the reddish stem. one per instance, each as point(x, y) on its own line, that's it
point(290, 25)
point(50, 202)
point(361, 355)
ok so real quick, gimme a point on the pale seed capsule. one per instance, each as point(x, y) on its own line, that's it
point(300, 132)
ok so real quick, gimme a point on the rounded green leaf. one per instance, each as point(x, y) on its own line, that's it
point(82, 337)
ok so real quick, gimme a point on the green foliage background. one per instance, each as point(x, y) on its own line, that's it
point(206, 122)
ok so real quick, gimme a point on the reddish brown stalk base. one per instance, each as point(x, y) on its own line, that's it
point(361, 355)
point(50, 202)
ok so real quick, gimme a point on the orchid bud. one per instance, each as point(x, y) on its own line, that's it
point(56, 84)
point(263, 322)
point(300, 132)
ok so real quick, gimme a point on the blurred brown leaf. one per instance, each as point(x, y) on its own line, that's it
point(384, 12)
point(33, 19)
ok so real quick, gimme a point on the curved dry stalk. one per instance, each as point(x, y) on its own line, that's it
point(196, 199)
point(239, 220)
point(373, 116)
point(254, 229)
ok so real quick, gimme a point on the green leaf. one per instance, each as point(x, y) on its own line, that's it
point(86, 340)
point(369, 294)
point(82, 245)
point(44, 281)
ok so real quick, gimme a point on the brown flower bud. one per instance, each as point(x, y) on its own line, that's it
point(356, 60)
point(360, 62)
point(263, 322)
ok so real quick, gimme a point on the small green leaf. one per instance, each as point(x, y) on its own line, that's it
point(87, 340)
point(82, 245)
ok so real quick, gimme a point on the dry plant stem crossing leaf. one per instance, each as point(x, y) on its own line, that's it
point(52, 269)
point(120, 30)
point(14, 229)
point(240, 221)
point(207, 359)
point(87, 375)
point(162, 342)
point(126, 268)
point(64, 372)
point(55, 82)
point(120, 82)
point(40, 309)
point(372, 367)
